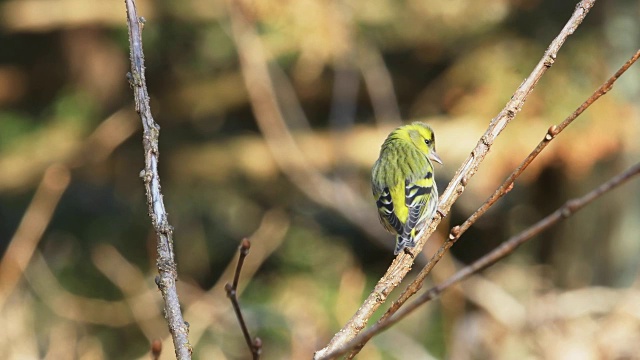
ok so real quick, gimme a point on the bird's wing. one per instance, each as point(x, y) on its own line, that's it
point(386, 212)
point(418, 197)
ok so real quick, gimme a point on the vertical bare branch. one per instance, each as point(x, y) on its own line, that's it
point(403, 262)
point(168, 274)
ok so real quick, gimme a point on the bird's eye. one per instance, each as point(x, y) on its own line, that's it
point(427, 141)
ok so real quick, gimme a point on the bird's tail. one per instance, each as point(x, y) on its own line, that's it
point(404, 241)
point(409, 240)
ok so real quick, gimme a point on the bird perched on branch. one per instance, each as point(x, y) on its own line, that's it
point(403, 182)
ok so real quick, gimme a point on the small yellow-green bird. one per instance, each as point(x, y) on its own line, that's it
point(403, 182)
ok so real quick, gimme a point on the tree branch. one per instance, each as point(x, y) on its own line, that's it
point(168, 274)
point(403, 262)
point(255, 346)
point(569, 208)
point(506, 186)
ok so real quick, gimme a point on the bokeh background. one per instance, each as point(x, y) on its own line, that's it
point(77, 274)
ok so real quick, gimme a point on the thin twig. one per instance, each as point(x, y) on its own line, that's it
point(551, 134)
point(168, 274)
point(255, 346)
point(569, 208)
point(209, 307)
point(403, 262)
point(506, 186)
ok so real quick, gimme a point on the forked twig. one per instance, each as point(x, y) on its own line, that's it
point(403, 262)
point(167, 271)
point(569, 208)
point(255, 346)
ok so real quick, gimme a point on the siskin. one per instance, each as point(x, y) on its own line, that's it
point(403, 183)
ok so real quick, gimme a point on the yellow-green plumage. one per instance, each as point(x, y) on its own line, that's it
point(403, 183)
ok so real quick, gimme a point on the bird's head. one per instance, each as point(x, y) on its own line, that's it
point(424, 139)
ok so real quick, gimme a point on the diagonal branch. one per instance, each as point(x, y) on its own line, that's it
point(506, 186)
point(403, 262)
point(168, 274)
point(569, 208)
point(553, 131)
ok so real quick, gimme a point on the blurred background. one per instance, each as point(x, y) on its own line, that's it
point(78, 266)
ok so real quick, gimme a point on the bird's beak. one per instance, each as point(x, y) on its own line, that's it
point(433, 156)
